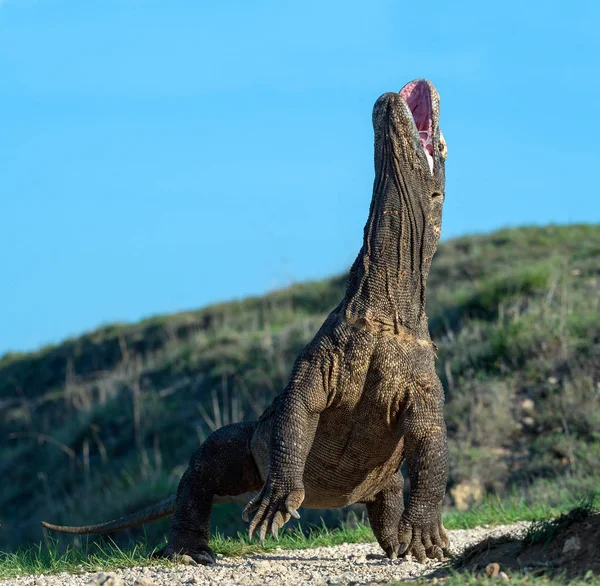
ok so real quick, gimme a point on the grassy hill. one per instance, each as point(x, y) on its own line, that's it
point(104, 424)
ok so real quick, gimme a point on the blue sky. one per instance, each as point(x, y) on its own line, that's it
point(158, 156)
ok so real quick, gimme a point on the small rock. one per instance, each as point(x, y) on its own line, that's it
point(261, 567)
point(144, 582)
point(527, 405)
point(103, 579)
point(572, 545)
point(492, 570)
point(503, 576)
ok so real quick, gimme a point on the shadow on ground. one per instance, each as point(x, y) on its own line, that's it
point(568, 547)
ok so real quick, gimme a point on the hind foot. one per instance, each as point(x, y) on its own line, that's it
point(201, 555)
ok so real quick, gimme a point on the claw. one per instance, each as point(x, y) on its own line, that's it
point(263, 531)
point(258, 518)
point(253, 527)
point(277, 524)
point(270, 513)
point(445, 539)
point(251, 507)
point(402, 547)
point(186, 560)
point(435, 553)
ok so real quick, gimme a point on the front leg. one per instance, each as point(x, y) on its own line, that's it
point(295, 423)
point(421, 531)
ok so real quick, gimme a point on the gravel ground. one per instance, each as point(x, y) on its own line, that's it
point(342, 564)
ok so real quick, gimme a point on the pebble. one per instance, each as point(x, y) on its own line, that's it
point(492, 570)
point(144, 582)
point(572, 545)
point(103, 579)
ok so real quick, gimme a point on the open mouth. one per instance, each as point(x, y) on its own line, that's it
point(417, 96)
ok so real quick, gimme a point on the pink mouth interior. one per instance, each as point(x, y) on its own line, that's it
point(417, 96)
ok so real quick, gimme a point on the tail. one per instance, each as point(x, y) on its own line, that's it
point(147, 515)
point(151, 513)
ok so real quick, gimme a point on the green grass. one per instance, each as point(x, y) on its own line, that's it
point(105, 555)
point(504, 511)
point(46, 558)
point(543, 531)
point(295, 539)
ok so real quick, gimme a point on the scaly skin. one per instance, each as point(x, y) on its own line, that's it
point(363, 396)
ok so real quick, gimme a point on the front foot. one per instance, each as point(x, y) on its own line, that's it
point(201, 555)
point(274, 506)
point(423, 540)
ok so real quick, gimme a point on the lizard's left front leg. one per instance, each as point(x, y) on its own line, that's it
point(421, 531)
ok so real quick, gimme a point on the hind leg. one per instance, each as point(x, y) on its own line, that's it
point(223, 466)
point(385, 512)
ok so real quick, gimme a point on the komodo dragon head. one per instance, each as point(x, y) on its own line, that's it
point(386, 287)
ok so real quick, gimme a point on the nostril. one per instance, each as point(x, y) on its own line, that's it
point(436, 194)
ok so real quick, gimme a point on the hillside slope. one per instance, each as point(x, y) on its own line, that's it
point(103, 424)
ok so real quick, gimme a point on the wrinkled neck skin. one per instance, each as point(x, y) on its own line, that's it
point(387, 283)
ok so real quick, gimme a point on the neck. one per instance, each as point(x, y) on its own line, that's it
point(387, 283)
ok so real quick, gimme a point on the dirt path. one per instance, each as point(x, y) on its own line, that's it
point(343, 564)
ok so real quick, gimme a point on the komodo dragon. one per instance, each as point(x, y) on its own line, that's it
point(363, 395)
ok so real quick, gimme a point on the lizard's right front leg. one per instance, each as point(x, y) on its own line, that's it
point(294, 426)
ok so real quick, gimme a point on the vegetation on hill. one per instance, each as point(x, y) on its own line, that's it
point(104, 424)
